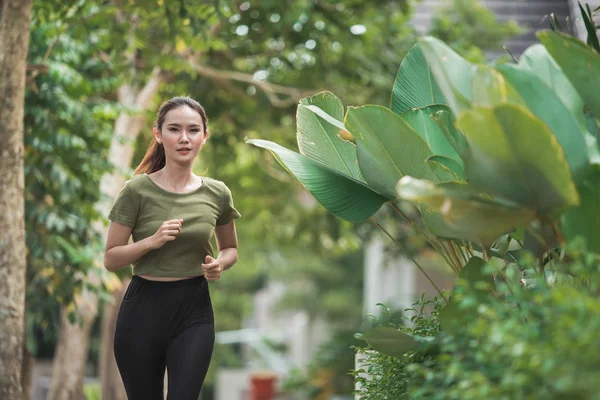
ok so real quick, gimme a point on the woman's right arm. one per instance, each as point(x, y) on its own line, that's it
point(119, 254)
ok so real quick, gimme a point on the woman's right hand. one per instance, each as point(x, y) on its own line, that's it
point(167, 232)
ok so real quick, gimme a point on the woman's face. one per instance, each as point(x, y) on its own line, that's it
point(182, 134)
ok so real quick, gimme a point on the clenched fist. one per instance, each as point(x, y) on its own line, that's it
point(167, 232)
point(212, 269)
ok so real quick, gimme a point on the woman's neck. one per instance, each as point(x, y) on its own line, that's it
point(176, 177)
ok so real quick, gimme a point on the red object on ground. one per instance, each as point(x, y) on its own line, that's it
point(263, 387)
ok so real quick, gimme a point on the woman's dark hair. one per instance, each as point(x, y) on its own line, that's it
point(154, 159)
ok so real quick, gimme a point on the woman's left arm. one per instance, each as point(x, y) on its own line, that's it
point(228, 245)
point(228, 252)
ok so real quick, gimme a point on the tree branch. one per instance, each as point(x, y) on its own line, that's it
point(271, 90)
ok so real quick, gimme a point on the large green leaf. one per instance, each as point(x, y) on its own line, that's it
point(585, 219)
point(388, 148)
point(454, 210)
point(390, 341)
point(415, 86)
point(515, 156)
point(447, 163)
point(578, 62)
point(445, 121)
point(489, 88)
point(592, 139)
point(452, 73)
point(539, 62)
point(320, 140)
point(345, 197)
point(568, 128)
point(421, 120)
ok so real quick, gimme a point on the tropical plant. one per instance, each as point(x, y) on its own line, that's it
point(498, 160)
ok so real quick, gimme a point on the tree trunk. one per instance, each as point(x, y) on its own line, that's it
point(71, 353)
point(14, 44)
point(68, 368)
point(27, 373)
point(112, 387)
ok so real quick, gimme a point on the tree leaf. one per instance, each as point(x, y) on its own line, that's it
point(345, 197)
point(578, 62)
point(415, 86)
point(456, 211)
point(513, 155)
point(388, 148)
point(318, 137)
point(452, 73)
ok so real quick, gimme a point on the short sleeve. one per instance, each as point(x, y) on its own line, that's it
point(125, 208)
point(228, 211)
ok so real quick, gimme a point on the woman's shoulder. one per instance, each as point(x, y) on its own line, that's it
point(136, 183)
point(214, 183)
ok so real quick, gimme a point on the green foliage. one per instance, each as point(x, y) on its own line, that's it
point(535, 338)
point(68, 128)
point(538, 340)
point(384, 377)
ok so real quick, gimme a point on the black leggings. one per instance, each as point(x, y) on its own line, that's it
point(164, 324)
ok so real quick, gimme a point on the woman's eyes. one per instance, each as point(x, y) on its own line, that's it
point(195, 130)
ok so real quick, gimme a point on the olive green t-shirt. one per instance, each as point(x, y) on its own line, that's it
point(144, 206)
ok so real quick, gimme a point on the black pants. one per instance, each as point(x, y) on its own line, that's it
point(164, 324)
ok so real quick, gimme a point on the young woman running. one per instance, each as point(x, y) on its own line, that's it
point(166, 317)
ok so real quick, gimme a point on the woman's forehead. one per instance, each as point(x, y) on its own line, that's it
point(183, 116)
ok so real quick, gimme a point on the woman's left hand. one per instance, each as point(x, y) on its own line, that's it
point(212, 269)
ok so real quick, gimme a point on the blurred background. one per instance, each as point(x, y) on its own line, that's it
point(305, 281)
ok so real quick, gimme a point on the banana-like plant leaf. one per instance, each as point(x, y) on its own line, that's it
point(452, 73)
point(593, 138)
point(540, 63)
point(449, 164)
point(388, 148)
point(585, 219)
point(569, 130)
point(422, 122)
point(489, 88)
point(513, 155)
point(445, 121)
point(455, 210)
point(344, 134)
point(345, 197)
point(415, 86)
point(319, 136)
point(578, 62)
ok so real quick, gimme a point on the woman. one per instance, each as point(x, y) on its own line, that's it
point(166, 317)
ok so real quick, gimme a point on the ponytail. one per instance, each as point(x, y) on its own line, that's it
point(153, 160)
